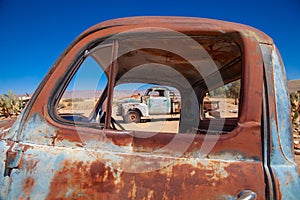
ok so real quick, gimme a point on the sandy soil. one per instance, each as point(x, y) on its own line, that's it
point(79, 106)
point(158, 123)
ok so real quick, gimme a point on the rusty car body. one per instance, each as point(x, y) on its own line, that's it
point(47, 155)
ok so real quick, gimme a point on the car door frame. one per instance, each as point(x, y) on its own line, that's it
point(244, 154)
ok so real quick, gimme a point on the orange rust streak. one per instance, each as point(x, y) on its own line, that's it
point(28, 184)
point(237, 141)
point(5, 126)
point(180, 181)
point(181, 24)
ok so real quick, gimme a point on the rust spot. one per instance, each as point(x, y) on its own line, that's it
point(180, 180)
point(69, 135)
point(26, 147)
point(28, 183)
point(5, 126)
point(93, 181)
point(31, 165)
point(79, 144)
point(288, 178)
point(120, 140)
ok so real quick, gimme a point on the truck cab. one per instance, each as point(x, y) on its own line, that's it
point(70, 142)
point(155, 101)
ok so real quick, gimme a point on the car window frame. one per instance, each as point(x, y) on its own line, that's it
point(246, 120)
point(67, 78)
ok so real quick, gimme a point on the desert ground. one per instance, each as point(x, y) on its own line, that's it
point(157, 123)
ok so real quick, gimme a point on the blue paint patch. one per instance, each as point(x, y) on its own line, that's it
point(289, 181)
point(38, 131)
point(13, 132)
point(4, 181)
point(277, 157)
point(282, 108)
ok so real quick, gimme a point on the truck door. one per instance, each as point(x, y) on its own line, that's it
point(71, 153)
point(159, 102)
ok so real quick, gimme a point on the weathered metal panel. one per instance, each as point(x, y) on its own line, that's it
point(120, 166)
point(282, 101)
point(4, 180)
point(282, 163)
point(285, 168)
point(37, 131)
point(5, 126)
point(72, 173)
point(179, 22)
point(288, 181)
point(65, 161)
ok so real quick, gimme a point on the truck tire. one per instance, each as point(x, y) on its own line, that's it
point(132, 116)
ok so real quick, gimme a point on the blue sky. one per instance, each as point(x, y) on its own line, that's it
point(35, 32)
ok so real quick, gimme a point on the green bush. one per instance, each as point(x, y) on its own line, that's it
point(10, 104)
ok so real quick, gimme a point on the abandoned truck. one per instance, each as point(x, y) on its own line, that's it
point(68, 143)
point(156, 101)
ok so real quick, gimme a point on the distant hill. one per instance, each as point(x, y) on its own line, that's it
point(118, 94)
point(82, 94)
point(294, 86)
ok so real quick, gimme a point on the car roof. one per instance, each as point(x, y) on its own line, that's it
point(183, 23)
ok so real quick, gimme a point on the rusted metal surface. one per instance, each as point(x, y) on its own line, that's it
point(282, 162)
point(179, 23)
point(63, 161)
point(5, 126)
point(79, 173)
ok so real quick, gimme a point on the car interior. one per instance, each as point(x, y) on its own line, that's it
point(201, 67)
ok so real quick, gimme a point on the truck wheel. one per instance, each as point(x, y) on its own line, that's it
point(132, 116)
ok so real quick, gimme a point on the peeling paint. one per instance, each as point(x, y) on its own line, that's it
point(4, 180)
point(59, 160)
point(36, 130)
